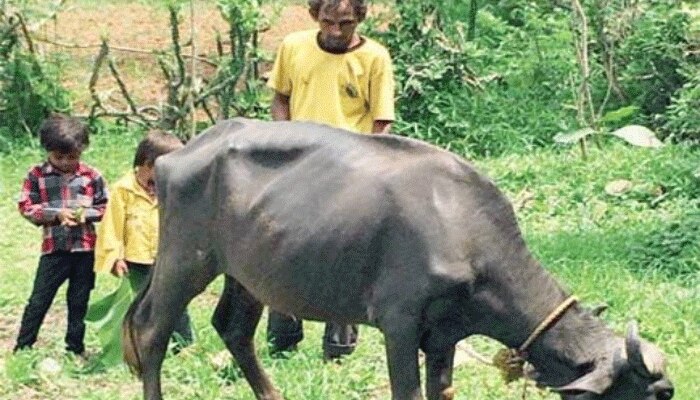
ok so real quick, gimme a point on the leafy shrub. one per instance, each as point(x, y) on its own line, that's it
point(651, 57)
point(29, 88)
point(29, 93)
point(681, 121)
point(502, 91)
point(430, 72)
point(245, 96)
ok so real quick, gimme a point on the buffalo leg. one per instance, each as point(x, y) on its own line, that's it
point(150, 335)
point(235, 319)
point(438, 374)
point(401, 337)
point(152, 317)
point(155, 335)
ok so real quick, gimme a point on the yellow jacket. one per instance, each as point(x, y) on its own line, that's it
point(129, 228)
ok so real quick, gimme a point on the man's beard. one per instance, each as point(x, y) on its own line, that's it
point(334, 45)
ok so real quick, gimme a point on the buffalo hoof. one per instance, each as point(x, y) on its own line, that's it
point(448, 394)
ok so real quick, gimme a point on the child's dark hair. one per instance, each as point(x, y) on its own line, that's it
point(155, 144)
point(63, 133)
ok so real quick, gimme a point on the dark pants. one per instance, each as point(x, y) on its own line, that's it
point(54, 269)
point(284, 332)
point(138, 277)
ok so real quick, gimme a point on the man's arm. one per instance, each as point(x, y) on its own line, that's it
point(280, 107)
point(381, 126)
point(381, 97)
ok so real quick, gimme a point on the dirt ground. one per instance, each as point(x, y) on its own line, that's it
point(143, 28)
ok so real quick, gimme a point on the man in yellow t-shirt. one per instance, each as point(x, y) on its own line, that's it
point(334, 76)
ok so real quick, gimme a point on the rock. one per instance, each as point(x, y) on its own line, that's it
point(618, 187)
point(49, 366)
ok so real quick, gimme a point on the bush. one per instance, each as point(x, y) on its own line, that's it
point(430, 73)
point(29, 88)
point(681, 121)
point(502, 91)
point(651, 57)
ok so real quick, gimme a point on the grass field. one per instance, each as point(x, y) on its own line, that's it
point(579, 232)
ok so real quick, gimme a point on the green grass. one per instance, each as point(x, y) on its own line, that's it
point(580, 234)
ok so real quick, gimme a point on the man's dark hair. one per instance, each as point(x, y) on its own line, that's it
point(155, 144)
point(359, 7)
point(64, 134)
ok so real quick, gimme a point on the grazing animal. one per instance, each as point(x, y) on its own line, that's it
point(379, 230)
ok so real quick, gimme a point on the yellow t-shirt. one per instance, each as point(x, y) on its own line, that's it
point(349, 90)
point(129, 228)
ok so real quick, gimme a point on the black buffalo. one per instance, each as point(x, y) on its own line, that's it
point(378, 230)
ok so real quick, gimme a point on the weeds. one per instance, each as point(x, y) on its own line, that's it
point(21, 369)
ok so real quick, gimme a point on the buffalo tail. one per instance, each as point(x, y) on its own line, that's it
point(131, 353)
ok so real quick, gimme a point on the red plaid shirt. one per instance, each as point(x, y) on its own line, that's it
point(46, 191)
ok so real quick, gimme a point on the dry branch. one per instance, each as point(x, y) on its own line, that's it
point(25, 32)
point(97, 102)
point(117, 48)
point(122, 86)
point(186, 92)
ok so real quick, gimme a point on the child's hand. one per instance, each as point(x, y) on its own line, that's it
point(67, 217)
point(119, 268)
point(79, 215)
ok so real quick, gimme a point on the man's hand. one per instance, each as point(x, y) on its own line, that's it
point(119, 268)
point(67, 217)
point(381, 126)
point(279, 109)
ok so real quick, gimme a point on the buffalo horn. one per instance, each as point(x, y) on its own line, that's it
point(633, 345)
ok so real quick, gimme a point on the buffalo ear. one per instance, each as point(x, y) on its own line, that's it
point(599, 309)
point(597, 381)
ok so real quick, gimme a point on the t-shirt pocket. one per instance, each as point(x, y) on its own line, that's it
point(353, 95)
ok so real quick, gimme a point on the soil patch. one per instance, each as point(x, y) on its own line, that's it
point(144, 29)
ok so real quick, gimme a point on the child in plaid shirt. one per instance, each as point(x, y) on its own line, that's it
point(66, 197)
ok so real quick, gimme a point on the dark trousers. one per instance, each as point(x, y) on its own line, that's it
point(138, 276)
point(284, 332)
point(54, 269)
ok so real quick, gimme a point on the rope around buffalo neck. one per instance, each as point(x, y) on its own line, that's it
point(547, 322)
point(512, 361)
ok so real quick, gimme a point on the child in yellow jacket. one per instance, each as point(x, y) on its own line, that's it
point(127, 238)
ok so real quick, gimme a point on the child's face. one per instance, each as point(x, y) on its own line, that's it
point(65, 162)
point(145, 175)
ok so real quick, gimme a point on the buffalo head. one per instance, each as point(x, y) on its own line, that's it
point(635, 372)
